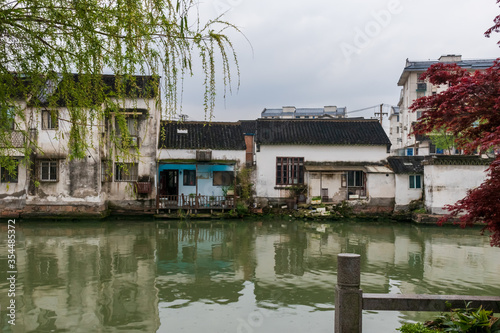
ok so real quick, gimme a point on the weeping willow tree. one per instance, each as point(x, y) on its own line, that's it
point(53, 53)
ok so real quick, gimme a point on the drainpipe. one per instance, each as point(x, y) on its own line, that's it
point(196, 183)
point(347, 183)
point(320, 184)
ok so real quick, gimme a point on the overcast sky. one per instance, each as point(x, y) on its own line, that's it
point(330, 52)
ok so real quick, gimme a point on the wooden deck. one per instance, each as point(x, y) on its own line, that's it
point(198, 202)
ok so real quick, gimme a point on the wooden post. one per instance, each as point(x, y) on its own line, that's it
point(348, 296)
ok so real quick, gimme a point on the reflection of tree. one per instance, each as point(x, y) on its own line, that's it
point(86, 277)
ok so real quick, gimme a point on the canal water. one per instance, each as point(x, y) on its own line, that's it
point(271, 276)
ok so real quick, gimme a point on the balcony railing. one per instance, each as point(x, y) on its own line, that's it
point(16, 138)
point(194, 202)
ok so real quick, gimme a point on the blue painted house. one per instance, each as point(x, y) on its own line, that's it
point(197, 163)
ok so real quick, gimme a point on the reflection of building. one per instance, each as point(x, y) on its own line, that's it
point(84, 279)
point(201, 263)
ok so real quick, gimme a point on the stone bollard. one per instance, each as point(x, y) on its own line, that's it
point(348, 296)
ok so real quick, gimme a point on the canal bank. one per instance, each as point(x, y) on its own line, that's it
point(303, 212)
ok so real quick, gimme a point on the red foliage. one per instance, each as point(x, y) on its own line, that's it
point(470, 110)
point(495, 27)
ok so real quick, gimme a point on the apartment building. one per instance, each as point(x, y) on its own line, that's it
point(413, 87)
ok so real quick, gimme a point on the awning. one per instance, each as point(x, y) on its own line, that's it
point(378, 169)
point(332, 168)
point(340, 168)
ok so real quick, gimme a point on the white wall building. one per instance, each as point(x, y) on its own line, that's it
point(335, 159)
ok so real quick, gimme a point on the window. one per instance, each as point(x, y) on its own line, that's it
point(49, 119)
point(415, 181)
point(223, 178)
point(106, 171)
point(289, 170)
point(132, 125)
point(409, 151)
point(49, 171)
point(189, 177)
point(126, 172)
point(355, 178)
point(7, 115)
point(9, 177)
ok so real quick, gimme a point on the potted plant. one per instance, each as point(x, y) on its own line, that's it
point(316, 200)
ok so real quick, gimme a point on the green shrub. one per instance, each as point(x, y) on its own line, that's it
point(462, 320)
point(415, 328)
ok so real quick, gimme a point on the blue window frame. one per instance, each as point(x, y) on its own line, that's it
point(415, 181)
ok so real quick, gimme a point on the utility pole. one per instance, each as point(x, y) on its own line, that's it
point(381, 114)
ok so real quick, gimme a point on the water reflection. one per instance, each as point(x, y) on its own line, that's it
point(228, 277)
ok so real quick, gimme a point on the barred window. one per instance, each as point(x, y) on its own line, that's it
point(126, 172)
point(106, 171)
point(49, 171)
point(50, 119)
point(289, 170)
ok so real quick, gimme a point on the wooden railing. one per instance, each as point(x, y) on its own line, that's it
point(350, 300)
point(194, 202)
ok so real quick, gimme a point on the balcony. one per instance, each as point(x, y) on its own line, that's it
point(17, 139)
point(194, 202)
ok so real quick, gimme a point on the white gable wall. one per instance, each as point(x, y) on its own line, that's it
point(190, 154)
point(266, 160)
point(446, 184)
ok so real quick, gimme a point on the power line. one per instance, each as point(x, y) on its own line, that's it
point(368, 108)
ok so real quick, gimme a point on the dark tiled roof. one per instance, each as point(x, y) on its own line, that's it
point(249, 126)
point(201, 135)
point(457, 160)
point(406, 164)
point(320, 132)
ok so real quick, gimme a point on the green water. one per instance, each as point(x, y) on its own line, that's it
point(123, 276)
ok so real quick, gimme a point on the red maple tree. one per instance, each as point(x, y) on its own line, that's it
point(469, 110)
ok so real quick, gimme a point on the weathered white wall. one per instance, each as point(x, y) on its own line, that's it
point(380, 185)
point(446, 184)
point(118, 192)
point(403, 193)
point(266, 160)
point(190, 154)
point(13, 195)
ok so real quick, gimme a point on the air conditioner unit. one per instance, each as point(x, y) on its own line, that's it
point(204, 155)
